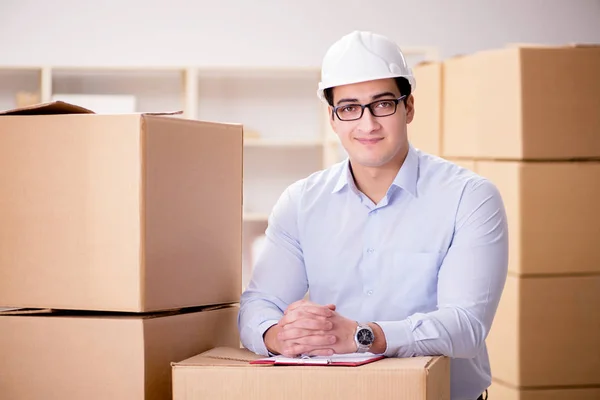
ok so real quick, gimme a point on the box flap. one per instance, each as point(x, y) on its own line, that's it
point(26, 311)
point(54, 107)
point(552, 46)
point(50, 312)
point(163, 113)
point(61, 107)
point(221, 356)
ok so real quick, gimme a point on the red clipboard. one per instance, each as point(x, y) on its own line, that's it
point(340, 360)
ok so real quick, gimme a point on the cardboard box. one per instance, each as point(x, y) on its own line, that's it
point(71, 355)
point(553, 217)
point(503, 392)
point(425, 130)
point(546, 332)
point(409, 378)
point(523, 103)
point(133, 212)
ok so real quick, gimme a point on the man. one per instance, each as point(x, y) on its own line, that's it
point(403, 253)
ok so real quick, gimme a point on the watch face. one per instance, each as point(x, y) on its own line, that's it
point(365, 337)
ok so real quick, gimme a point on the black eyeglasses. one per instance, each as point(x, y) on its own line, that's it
point(378, 108)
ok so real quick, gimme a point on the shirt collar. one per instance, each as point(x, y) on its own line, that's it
point(406, 178)
point(409, 172)
point(344, 178)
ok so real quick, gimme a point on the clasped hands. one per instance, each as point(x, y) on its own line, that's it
point(307, 328)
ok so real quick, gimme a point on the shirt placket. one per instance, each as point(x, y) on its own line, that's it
point(370, 253)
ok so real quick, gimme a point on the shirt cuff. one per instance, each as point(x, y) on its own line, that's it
point(399, 338)
point(259, 345)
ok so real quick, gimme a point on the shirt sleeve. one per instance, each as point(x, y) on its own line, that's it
point(470, 282)
point(278, 276)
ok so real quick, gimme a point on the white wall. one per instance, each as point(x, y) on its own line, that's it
point(271, 32)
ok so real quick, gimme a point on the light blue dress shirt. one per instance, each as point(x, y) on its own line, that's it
point(428, 263)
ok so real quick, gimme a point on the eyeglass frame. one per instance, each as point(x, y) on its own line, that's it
point(363, 106)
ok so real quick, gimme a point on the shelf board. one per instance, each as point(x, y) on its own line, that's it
point(225, 70)
point(288, 143)
point(116, 68)
point(256, 217)
point(17, 68)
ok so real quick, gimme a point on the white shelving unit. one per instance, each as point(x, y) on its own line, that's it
point(287, 131)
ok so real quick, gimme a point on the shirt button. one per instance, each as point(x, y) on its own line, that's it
point(370, 250)
point(370, 292)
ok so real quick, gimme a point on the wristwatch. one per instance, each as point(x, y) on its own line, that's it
point(364, 338)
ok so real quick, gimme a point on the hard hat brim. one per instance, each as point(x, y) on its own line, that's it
point(322, 85)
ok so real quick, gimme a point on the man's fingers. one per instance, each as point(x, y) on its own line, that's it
point(295, 305)
point(307, 311)
point(295, 349)
point(305, 303)
point(297, 333)
point(310, 323)
point(292, 318)
point(316, 340)
point(316, 310)
point(302, 313)
point(324, 311)
point(321, 352)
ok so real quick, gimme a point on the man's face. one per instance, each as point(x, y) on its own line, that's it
point(372, 141)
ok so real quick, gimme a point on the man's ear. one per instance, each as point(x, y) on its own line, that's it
point(410, 109)
point(331, 117)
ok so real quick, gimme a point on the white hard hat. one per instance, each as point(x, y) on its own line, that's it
point(362, 56)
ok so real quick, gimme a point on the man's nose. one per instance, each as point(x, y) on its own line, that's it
point(368, 122)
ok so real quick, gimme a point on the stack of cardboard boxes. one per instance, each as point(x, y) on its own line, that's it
point(120, 242)
point(528, 119)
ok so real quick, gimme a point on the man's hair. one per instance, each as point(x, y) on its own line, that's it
point(402, 83)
